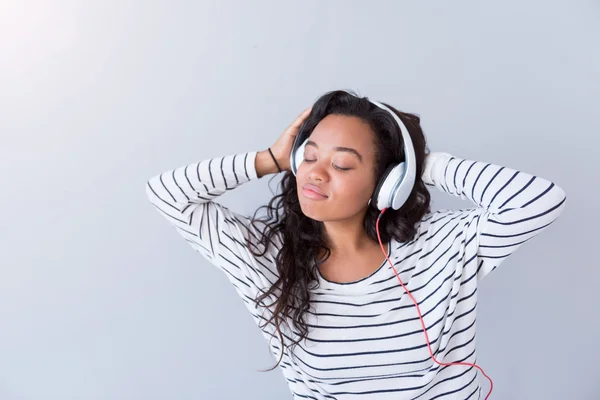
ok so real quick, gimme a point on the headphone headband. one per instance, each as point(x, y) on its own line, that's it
point(409, 151)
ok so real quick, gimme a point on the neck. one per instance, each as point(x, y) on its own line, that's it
point(347, 236)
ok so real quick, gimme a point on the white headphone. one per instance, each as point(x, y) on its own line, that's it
point(397, 181)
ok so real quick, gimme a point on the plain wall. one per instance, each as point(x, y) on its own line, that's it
point(101, 299)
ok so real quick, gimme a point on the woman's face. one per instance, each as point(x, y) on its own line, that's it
point(336, 179)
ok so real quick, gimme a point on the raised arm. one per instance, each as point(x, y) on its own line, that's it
point(512, 206)
point(187, 198)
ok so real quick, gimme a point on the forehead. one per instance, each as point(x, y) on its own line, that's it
point(344, 131)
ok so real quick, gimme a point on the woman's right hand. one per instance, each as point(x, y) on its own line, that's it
point(283, 146)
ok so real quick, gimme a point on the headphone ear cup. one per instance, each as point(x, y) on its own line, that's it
point(403, 190)
point(393, 188)
point(381, 200)
point(297, 156)
point(297, 152)
point(300, 154)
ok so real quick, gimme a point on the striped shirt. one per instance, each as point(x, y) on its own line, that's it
point(365, 338)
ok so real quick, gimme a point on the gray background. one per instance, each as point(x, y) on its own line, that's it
point(101, 299)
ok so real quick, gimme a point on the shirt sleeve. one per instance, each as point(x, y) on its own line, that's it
point(186, 196)
point(512, 206)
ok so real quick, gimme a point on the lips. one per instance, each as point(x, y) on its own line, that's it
point(313, 191)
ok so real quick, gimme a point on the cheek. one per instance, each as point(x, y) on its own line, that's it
point(302, 173)
point(354, 190)
point(301, 179)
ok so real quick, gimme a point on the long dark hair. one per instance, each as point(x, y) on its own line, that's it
point(301, 237)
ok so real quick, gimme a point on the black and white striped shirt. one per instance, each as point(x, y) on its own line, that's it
point(365, 338)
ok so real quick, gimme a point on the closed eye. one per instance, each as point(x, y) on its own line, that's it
point(341, 169)
point(306, 160)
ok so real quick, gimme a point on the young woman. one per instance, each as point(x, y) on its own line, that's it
point(334, 283)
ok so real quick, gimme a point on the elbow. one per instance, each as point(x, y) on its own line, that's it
point(561, 197)
point(149, 188)
point(559, 201)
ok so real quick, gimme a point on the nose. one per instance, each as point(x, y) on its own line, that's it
point(317, 172)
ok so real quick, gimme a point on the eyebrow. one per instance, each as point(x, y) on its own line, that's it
point(338, 148)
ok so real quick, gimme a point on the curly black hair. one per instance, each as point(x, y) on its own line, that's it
point(302, 237)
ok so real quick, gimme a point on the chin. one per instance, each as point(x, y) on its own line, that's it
point(324, 212)
point(315, 211)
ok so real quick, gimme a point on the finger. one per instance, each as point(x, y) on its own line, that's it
point(302, 117)
point(305, 112)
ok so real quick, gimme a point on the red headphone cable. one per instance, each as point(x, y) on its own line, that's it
point(421, 317)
